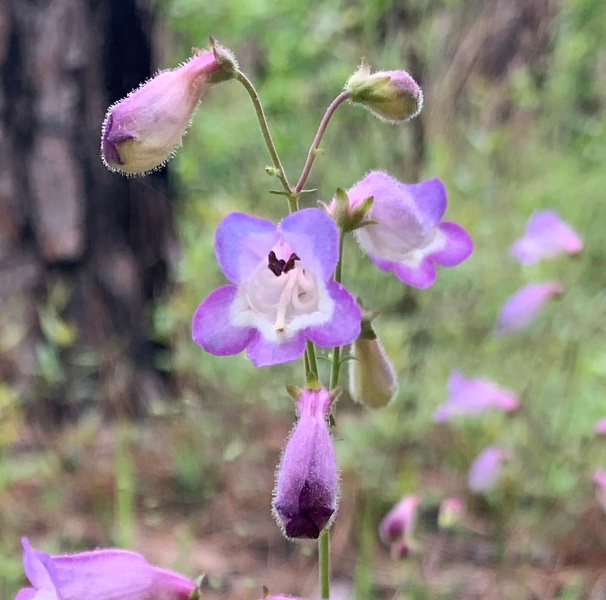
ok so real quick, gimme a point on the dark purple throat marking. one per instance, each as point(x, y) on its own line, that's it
point(278, 265)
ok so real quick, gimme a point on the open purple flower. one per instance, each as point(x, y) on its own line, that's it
point(521, 309)
point(99, 575)
point(408, 236)
point(281, 292)
point(485, 470)
point(468, 396)
point(546, 235)
point(305, 496)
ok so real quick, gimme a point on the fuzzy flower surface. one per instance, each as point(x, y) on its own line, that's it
point(485, 470)
point(306, 491)
point(281, 293)
point(406, 234)
point(469, 396)
point(99, 575)
point(142, 131)
point(520, 310)
point(546, 235)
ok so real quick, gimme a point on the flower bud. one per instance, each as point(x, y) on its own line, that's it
point(142, 131)
point(305, 496)
point(399, 523)
point(372, 380)
point(485, 471)
point(449, 515)
point(393, 96)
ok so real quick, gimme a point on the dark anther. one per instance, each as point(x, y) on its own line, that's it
point(290, 263)
point(278, 265)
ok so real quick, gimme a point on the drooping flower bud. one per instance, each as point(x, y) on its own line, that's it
point(449, 515)
point(305, 496)
point(485, 471)
point(372, 380)
point(142, 131)
point(107, 574)
point(393, 96)
point(399, 523)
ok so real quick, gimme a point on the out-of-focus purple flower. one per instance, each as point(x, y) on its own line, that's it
point(142, 131)
point(485, 470)
point(600, 427)
point(520, 310)
point(307, 484)
point(472, 397)
point(599, 478)
point(449, 515)
point(399, 523)
point(393, 96)
point(282, 293)
point(372, 380)
point(99, 575)
point(546, 236)
point(407, 235)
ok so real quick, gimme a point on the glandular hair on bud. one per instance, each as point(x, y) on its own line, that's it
point(393, 96)
point(372, 380)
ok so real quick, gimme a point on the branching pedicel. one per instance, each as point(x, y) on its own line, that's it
point(285, 294)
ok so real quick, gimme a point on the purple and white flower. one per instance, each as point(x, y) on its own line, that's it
point(485, 470)
point(468, 396)
point(520, 310)
point(307, 485)
point(281, 292)
point(407, 235)
point(546, 236)
point(99, 575)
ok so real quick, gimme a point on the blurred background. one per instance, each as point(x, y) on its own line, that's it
point(116, 430)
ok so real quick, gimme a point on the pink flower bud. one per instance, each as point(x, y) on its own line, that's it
point(305, 496)
point(372, 380)
point(449, 515)
point(600, 427)
point(485, 470)
point(399, 523)
point(99, 575)
point(393, 96)
point(142, 131)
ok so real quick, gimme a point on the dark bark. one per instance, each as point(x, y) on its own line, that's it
point(80, 247)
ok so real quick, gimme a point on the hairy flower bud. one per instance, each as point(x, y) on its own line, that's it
point(142, 131)
point(372, 380)
point(391, 95)
point(305, 496)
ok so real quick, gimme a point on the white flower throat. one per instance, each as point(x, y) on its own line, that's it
point(282, 289)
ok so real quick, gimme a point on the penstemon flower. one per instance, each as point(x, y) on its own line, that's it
point(305, 496)
point(468, 396)
point(281, 293)
point(407, 235)
point(546, 235)
point(485, 470)
point(99, 575)
point(520, 310)
point(142, 131)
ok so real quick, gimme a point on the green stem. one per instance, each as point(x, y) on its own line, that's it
point(269, 142)
point(125, 490)
point(313, 150)
point(312, 361)
point(336, 353)
point(324, 562)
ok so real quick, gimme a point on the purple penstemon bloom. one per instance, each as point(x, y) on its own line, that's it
point(546, 235)
point(408, 235)
point(281, 293)
point(520, 310)
point(99, 575)
point(485, 470)
point(307, 485)
point(468, 396)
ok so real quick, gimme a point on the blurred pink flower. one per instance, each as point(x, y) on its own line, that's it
point(546, 236)
point(600, 426)
point(472, 397)
point(485, 470)
point(521, 308)
point(450, 512)
point(399, 523)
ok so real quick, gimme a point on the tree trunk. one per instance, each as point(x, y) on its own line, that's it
point(82, 250)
